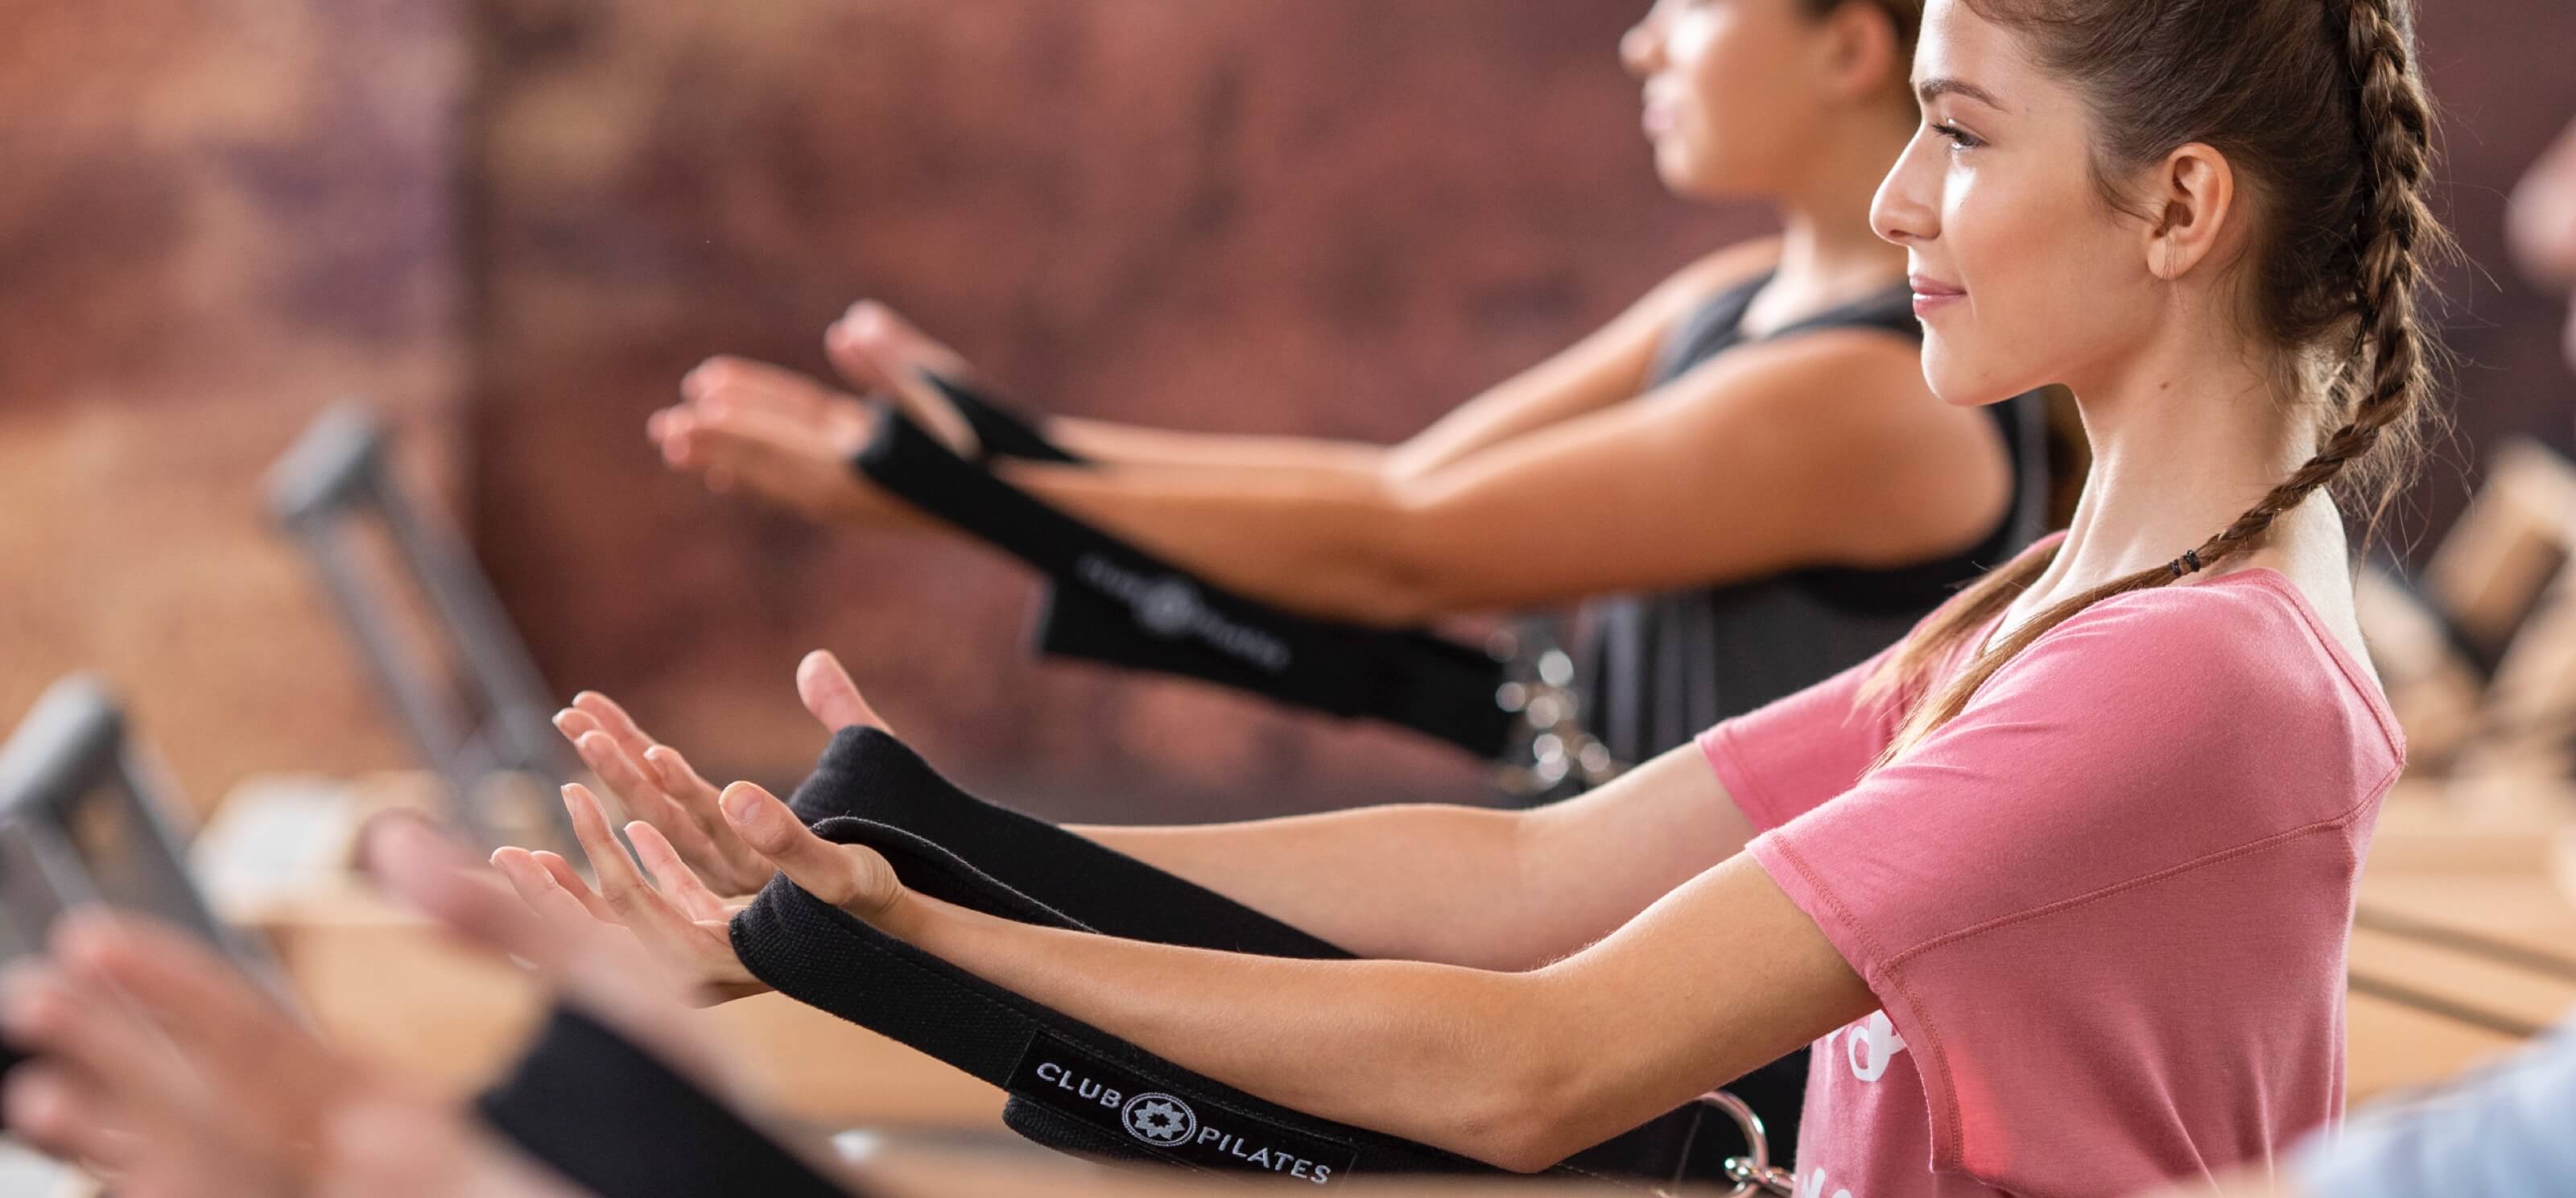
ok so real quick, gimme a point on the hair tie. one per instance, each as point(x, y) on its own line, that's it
point(2188, 563)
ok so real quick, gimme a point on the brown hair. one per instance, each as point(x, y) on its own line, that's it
point(2332, 280)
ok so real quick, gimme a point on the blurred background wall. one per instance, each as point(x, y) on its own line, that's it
point(514, 223)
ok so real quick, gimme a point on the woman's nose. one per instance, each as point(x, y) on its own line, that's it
point(1641, 48)
point(1904, 211)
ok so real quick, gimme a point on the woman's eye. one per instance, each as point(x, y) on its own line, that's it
point(1959, 138)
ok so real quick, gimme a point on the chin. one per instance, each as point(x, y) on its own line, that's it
point(1960, 383)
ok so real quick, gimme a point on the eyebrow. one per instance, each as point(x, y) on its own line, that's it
point(1932, 89)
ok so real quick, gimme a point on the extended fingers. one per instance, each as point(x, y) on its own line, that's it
point(619, 883)
point(103, 1055)
point(679, 883)
point(831, 696)
point(750, 382)
point(696, 797)
point(642, 791)
point(412, 860)
point(613, 720)
point(548, 896)
point(179, 983)
point(845, 876)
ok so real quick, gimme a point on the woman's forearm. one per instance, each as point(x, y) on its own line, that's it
point(1416, 882)
point(1254, 457)
point(1468, 886)
point(1320, 544)
point(1516, 1069)
point(1433, 1053)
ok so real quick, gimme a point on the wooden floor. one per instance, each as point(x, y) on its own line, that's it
point(2492, 877)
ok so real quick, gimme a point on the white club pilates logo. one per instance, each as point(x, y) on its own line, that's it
point(1160, 1120)
point(1172, 609)
point(1107, 1097)
point(1168, 608)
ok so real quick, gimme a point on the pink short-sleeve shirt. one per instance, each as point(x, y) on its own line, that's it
point(2105, 909)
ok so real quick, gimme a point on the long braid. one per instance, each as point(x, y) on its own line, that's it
point(2394, 124)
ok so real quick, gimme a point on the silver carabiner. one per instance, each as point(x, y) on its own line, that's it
point(1753, 1173)
point(1549, 748)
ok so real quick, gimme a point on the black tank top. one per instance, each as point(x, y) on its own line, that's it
point(1664, 667)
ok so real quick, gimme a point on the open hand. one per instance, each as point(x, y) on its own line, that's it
point(654, 783)
point(881, 353)
point(784, 438)
point(159, 1064)
point(667, 907)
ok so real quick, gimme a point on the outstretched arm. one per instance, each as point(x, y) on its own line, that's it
point(1821, 449)
point(877, 349)
point(1516, 1068)
point(1464, 885)
point(1419, 882)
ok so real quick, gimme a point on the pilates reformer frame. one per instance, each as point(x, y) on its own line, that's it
point(84, 820)
point(500, 771)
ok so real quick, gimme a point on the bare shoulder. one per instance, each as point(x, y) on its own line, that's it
point(1834, 380)
point(1882, 471)
point(1719, 270)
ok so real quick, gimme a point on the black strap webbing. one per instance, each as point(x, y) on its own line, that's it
point(620, 1124)
point(1093, 1093)
point(868, 774)
point(1000, 431)
point(1028, 869)
point(1115, 603)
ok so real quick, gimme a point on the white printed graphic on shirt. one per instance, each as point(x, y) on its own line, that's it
point(1872, 1043)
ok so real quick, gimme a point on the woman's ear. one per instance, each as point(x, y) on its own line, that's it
point(2191, 202)
point(1863, 60)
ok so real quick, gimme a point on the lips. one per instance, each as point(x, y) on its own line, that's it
point(1932, 294)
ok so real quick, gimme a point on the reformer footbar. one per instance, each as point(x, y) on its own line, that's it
point(878, 791)
point(1116, 604)
point(619, 1123)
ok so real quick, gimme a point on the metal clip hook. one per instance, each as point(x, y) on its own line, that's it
point(1752, 1174)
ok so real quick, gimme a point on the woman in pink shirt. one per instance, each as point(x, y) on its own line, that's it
point(2058, 886)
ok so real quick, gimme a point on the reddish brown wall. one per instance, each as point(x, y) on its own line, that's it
point(214, 217)
point(1277, 215)
point(1328, 216)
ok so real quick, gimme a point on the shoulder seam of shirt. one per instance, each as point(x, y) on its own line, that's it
point(2334, 823)
point(2379, 713)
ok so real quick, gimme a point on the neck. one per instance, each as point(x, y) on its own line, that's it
point(2184, 440)
point(1828, 251)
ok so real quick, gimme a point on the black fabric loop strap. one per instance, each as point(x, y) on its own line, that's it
point(871, 775)
point(1028, 869)
point(1000, 431)
point(1097, 1094)
point(1116, 604)
point(620, 1124)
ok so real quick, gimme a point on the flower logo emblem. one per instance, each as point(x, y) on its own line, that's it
point(1160, 1120)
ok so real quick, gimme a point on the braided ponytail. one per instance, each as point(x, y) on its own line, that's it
point(2347, 233)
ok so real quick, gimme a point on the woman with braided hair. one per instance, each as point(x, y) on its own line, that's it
point(2059, 887)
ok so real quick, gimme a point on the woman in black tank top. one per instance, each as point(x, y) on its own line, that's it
point(1744, 469)
point(1744, 474)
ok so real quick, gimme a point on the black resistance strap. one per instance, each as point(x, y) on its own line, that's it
point(1000, 430)
point(1117, 604)
point(620, 1124)
point(874, 789)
